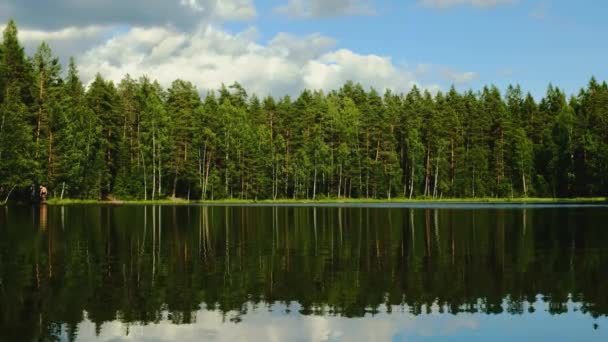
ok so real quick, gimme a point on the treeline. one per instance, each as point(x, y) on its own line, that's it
point(138, 140)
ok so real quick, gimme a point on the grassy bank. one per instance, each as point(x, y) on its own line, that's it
point(55, 201)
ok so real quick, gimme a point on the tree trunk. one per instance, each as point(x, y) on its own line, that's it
point(340, 180)
point(8, 196)
point(206, 183)
point(436, 175)
point(314, 185)
point(226, 158)
point(523, 178)
point(153, 163)
point(452, 166)
point(39, 124)
point(174, 184)
point(159, 173)
point(2, 129)
point(426, 172)
point(50, 157)
point(143, 161)
point(412, 178)
point(200, 170)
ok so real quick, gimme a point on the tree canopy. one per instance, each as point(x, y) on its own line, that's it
point(136, 140)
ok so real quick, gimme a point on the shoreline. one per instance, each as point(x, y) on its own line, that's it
point(351, 201)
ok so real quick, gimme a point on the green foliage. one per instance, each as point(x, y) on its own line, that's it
point(138, 141)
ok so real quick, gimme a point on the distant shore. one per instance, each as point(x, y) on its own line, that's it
point(54, 201)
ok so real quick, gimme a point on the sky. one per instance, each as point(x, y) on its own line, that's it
point(279, 47)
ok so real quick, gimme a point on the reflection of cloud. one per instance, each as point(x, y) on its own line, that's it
point(266, 325)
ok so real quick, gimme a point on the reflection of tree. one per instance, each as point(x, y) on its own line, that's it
point(341, 261)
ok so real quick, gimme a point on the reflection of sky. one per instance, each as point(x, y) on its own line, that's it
point(261, 324)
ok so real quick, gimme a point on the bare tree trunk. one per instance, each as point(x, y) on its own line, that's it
point(436, 176)
point(159, 173)
point(206, 183)
point(274, 178)
point(145, 175)
point(426, 172)
point(200, 170)
point(314, 185)
point(452, 166)
point(473, 182)
point(8, 195)
point(153, 163)
point(412, 178)
point(50, 157)
point(340, 181)
point(174, 184)
point(40, 95)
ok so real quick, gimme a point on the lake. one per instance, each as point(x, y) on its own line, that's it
point(304, 273)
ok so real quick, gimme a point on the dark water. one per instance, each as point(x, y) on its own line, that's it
point(193, 273)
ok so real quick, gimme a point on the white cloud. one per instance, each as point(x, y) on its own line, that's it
point(184, 14)
point(68, 33)
point(333, 69)
point(458, 77)
point(444, 4)
point(236, 9)
point(65, 42)
point(210, 56)
point(325, 8)
point(156, 45)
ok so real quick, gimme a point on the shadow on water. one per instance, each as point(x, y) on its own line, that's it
point(62, 265)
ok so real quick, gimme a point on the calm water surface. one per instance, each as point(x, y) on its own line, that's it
point(191, 273)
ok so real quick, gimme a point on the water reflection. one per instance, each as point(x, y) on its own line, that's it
point(43, 217)
point(99, 270)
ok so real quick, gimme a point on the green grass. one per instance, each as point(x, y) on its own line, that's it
point(56, 201)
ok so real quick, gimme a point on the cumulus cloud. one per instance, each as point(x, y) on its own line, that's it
point(325, 8)
point(183, 14)
point(170, 39)
point(333, 69)
point(65, 42)
point(444, 4)
point(211, 56)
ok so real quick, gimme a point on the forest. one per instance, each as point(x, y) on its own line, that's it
point(137, 140)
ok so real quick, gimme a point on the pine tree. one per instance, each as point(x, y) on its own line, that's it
point(47, 109)
point(17, 162)
point(77, 137)
point(103, 100)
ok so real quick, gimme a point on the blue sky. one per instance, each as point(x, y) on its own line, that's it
point(282, 46)
point(527, 42)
